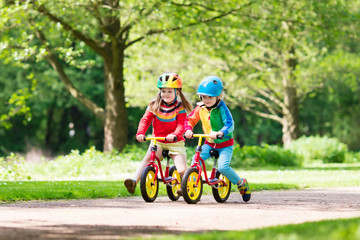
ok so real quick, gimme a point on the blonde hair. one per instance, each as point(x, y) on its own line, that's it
point(154, 105)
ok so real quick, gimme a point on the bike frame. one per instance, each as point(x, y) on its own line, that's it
point(155, 162)
point(198, 162)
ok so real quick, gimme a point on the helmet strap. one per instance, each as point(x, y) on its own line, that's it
point(214, 106)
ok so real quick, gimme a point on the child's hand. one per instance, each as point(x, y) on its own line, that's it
point(189, 134)
point(140, 138)
point(214, 135)
point(170, 138)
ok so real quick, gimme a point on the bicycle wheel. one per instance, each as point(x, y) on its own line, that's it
point(191, 192)
point(220, 192)
point(171, 190)
point(149, 188)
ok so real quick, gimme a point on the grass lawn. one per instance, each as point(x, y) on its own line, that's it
point(329, 175)
point(343, 229)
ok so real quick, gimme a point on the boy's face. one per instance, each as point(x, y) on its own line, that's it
point(168, 95)
point(208, 101)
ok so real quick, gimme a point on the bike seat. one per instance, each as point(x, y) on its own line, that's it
point(165, 153)
point(214, 153)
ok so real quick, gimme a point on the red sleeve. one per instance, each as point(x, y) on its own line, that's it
point(179, 131)
point(192, 119)
point(145, 122)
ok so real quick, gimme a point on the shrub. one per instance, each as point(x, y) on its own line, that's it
point(352, 157)
point(267, 155)
point(315, 148)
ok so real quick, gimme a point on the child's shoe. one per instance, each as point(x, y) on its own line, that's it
point(244, 190)
point(130, 185)
point(179, 192)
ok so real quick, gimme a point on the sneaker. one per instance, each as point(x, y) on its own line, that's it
point(244, 190)
point(130, 185)
point(179, 192)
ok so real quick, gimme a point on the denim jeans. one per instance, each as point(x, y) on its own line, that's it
point(224, 160)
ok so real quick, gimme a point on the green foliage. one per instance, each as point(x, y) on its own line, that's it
point(13, 168)
point(316, 148)
point(266, 155)
point(352, 157)
point(334, 109)
point(345, 229)
point(75, 165)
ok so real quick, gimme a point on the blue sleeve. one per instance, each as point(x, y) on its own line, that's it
point(227, 119)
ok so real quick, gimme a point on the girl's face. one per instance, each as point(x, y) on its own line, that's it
point(208, 101)
point(168, 95)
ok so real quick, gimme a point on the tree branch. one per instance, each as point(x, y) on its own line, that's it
point(266, 104)
point(272, 98)
point(261, 114)
point(77, 34)
point(98, 111)
point(158, 31)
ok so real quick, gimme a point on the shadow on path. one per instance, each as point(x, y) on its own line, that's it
point(84, 232)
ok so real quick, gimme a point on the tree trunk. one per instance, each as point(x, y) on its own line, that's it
point(116, 120)
point(290, 120)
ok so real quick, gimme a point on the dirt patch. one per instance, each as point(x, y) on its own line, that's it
point(132, 217)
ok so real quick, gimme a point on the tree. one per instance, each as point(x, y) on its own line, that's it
point(58, 31)
point(264, 47)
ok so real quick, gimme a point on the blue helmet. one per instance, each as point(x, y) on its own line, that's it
point(211, 86)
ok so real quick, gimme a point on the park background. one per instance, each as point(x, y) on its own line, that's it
point(77, 74)
point(76, 77)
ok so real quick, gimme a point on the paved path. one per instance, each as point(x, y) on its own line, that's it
point(132, 217)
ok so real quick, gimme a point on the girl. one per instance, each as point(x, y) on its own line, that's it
point(167, 115)
point(216, 120)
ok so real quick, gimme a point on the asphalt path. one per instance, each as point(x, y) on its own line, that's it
point(132, 217)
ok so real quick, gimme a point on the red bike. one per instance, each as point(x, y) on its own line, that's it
point(149, 181)
point(192, 183)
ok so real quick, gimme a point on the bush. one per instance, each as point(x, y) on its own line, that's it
point(352, 157)
point(89, 165)
point(267, 155)
point(315, 148)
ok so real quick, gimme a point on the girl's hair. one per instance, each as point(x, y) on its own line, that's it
point(154, 105)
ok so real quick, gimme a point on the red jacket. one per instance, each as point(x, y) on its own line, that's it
point(168, 120)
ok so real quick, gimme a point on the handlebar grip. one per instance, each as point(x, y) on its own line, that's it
point(220, 136)
point(144, 138)
point(175, 139)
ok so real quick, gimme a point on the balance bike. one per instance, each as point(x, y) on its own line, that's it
point(149, 182)
point(192, 183)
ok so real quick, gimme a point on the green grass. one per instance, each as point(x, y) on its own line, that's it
point(328, 175)
point(344, 229)
point(52, 190)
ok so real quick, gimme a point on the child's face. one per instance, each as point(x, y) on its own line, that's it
point(168, 95)
point(208, 101)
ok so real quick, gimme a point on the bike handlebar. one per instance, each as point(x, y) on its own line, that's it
point(207, 135)
point(154, 138)
point(158, 138)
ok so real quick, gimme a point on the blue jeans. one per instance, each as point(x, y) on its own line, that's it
point(224, 160)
